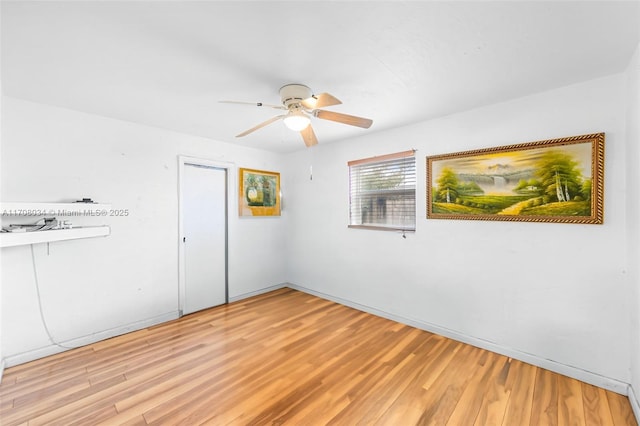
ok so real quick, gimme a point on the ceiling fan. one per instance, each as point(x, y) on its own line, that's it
point(301, 104)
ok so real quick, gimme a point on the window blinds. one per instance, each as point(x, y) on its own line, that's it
point(383, 192)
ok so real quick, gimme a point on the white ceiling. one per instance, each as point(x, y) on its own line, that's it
point(167, 64)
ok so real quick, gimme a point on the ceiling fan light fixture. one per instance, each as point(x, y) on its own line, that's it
point(296, 121)
point(300, 104)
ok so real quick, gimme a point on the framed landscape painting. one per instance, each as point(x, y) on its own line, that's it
point(259, 193)
point(557, 180)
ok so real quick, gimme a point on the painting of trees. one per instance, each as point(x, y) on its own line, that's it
point(559, 175)
point(559, 180)
point(447, 186)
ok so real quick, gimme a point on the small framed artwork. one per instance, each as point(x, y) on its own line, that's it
point(259, 193)
point(557, 180)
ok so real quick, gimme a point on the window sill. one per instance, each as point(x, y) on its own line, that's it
point(382, 228)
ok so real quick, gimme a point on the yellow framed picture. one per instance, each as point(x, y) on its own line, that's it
point(258, 193)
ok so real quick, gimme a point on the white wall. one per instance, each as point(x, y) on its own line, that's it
point(96, 287)
point(552, 294)
point(633, 215)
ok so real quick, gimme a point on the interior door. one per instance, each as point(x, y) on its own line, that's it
point(204, 192)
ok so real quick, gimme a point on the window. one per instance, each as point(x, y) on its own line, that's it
point(383, 192)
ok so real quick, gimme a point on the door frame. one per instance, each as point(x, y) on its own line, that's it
point(230, 169)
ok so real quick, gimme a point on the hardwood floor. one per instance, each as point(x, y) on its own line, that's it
point(287, 357)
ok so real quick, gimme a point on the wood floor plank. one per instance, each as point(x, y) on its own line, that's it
point(109, 396)
point(621, 411)
point(470, 401)
point(495, 397)
point(286, 357)
point(435, 398)
point(452, 383)
point(60, 370)
point(403, 401)
point(73, 384)
point(570, 405)
point(544, 410)
point(138, 421)
point(317, 383)
point(47, 366)
point(93, 417)
point(384, 387)
point(521, 398)
point(596, 406)
point(53, 402)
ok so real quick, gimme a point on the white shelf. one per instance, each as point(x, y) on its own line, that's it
point(11, 239)
point(53, 209)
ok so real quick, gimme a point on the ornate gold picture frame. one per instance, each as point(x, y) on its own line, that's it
point(556, 180)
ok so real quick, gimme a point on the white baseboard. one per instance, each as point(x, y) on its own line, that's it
point(257, 292)
point(1, 369)
point(567, 370)
point(31, 355)
point(633, 400)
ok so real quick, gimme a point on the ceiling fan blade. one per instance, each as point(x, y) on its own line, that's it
point(261, 125)
point(320, 101)
point(260, 104)
point(309, 136)
point(351, 120)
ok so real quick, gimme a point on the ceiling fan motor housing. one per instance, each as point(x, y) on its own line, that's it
point(294, 93)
